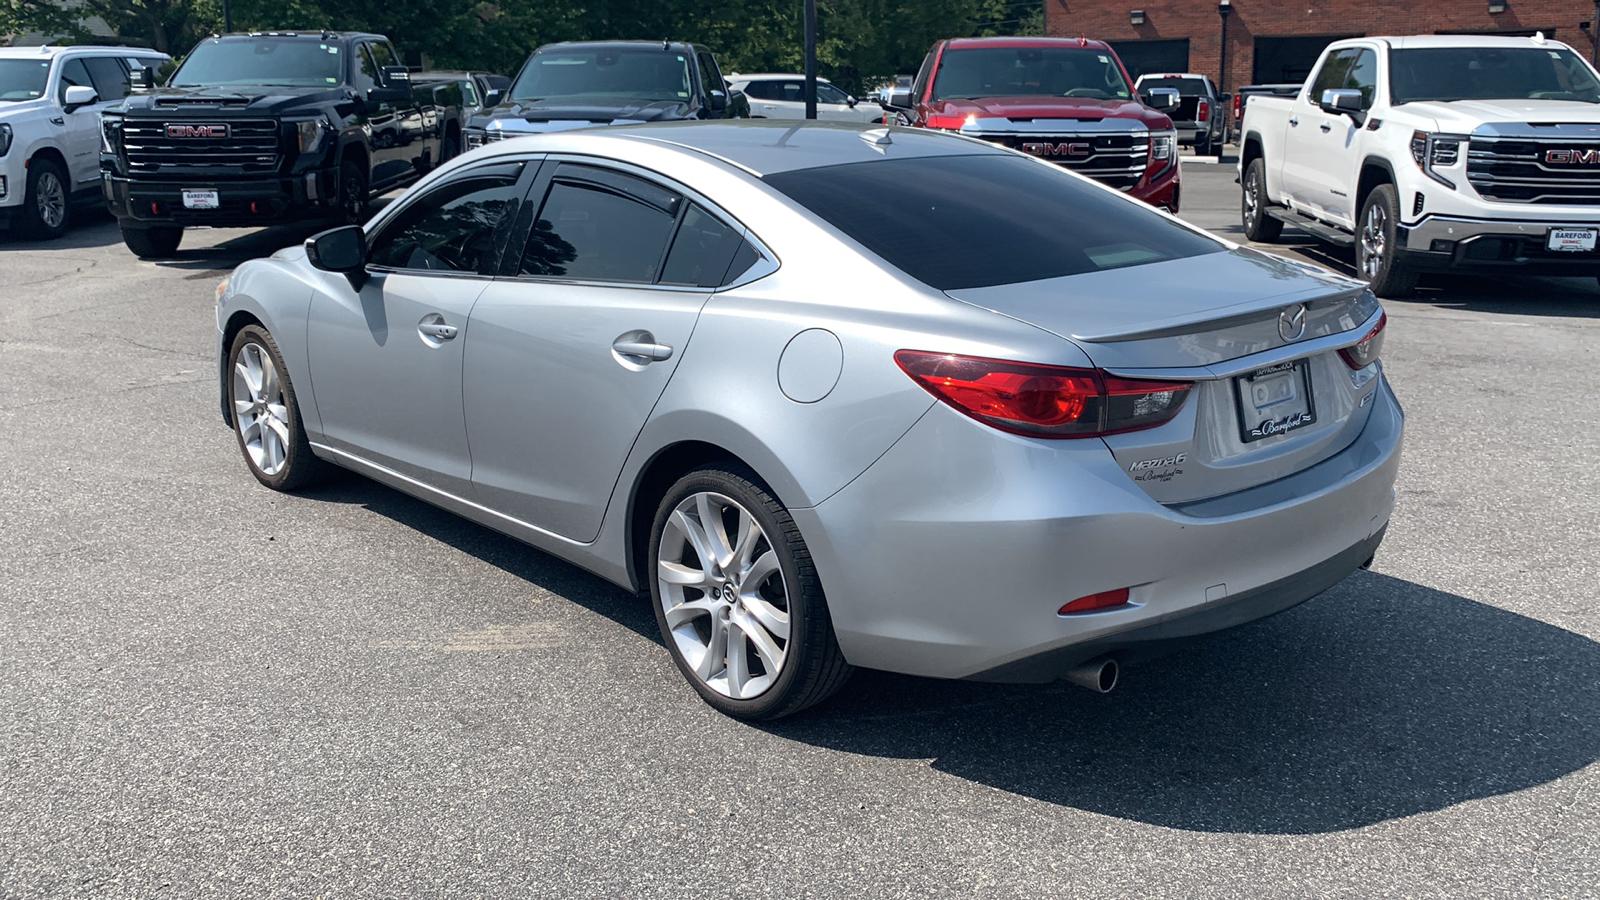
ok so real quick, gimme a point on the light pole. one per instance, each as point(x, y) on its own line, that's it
point(1224, 7)
point(811, 58)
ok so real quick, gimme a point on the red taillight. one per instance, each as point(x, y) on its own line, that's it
point(1238, 106)
point(1043, 401)
point(1102, 600)
point(1203, 112)
point(1367, 351)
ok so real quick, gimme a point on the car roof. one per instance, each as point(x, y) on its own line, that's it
point(307, 35)
point(758, 146)
point(1423, 41)
point(50, 52)
point(667, 46)
point(1023, 43)
point(1173, 75)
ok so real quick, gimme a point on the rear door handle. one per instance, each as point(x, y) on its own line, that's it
point(1295, 123)
point(642, 346)
point(1326, 127)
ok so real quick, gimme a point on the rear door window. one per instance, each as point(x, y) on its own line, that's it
point(958, 222)
point(109, 77)
point(600, 225)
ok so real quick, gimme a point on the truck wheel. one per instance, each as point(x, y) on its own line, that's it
point(451, 148)
point(1377, 257)
point(46, 208)
point(1202, 146)
point(1258, 226)
point(151, 243)
point(352, 193)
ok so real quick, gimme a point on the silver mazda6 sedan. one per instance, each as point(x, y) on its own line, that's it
point(835, 396)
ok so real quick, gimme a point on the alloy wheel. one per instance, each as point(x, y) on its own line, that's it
point(1252, 198)
point(1373, 240)
point(259, 409)
point(52, 200)
point(723, 593)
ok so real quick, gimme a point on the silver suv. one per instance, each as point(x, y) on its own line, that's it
point(50, 103)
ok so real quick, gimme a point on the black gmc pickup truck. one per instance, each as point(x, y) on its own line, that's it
point(589, 83)
point(261, 129)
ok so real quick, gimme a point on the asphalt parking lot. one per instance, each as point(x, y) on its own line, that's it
point(208, 689)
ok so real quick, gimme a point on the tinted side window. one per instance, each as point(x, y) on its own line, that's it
point(365, 74)
point(455, 227)
point(759, 90)
point(827, 93)
point(73, 74)
point(1333, 74)
point(383, 54)
point(711, 74)
point(1363, 77)
point(598, 225)
point(701, 252)
point(919, 88)
point(957, 222)
point(110, 79)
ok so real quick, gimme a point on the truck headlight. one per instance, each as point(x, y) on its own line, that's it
point(5, 139)
point(111, 134)
point(1163, 153)
point(310, 133)
point(1436, 151)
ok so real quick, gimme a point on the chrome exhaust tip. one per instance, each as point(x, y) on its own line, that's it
point(1098, 675)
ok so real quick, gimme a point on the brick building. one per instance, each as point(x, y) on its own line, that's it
point(1273, 41)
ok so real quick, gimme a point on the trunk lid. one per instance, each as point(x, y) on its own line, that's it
point(1267, 402)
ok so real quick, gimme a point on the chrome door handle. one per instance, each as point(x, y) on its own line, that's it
point(437, 330)
point(1294, 123)
point(643, 348)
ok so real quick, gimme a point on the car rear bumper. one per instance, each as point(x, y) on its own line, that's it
point(244, 202)
point(1446, 243)
point(951, 556)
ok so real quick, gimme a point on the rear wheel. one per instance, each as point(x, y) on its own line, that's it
point(353, 202)
point(1258, 225)
point(737, 598)
point(151, 243)
point(1377, 257)
point(1202, 146)
point(46, 209)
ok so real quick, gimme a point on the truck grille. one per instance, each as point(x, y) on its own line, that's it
point(1117, 160)
point(250, 147)
point(1518, 170)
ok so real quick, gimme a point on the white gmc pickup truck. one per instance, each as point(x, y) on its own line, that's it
point(1433, 153)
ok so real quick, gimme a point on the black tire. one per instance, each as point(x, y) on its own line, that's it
point(451, 148)
point(296, 466)
point(1202, 146)
point(1377, 259)
point(151, 243)
point(354, 204)
point(47, 204)
point(1258, 226)
point(812, 667)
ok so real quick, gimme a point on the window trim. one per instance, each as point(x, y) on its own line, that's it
point(525, 179)
point(766, 263)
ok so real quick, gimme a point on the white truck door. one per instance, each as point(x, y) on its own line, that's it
point(1312, 172)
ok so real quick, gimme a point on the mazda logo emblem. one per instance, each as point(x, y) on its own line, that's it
point(1292, 322)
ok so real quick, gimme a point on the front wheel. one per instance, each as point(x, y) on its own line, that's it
point(1377, 257)
point(266, 414)
point(46, 208)
point(737, 598)
point(353, 203)
point(152, 243)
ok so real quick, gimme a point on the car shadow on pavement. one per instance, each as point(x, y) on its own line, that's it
point(91, 227)
point(1377, 700)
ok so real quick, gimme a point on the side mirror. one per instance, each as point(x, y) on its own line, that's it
point(342, 250)
point(1162, 99)
point(396, 76)
point(78, 96)
point(1340, 100)
point(145, 79)
point(493, 97)
point(897, 99)
point(850, 101)
point(717, 101)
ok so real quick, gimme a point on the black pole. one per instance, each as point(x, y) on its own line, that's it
point(1594, 36)
point(227, 17)
point(811, 58)
point(1224, 8)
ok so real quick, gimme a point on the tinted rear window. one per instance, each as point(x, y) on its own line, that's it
point(958, 222)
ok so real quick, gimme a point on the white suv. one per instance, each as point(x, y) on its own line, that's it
point(784, 97)
point(50, 103)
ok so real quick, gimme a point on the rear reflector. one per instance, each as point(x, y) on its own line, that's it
point(1369, 349)
point(1102, 600)
point(1044, 401)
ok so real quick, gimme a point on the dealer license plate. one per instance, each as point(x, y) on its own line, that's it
point(1572, 240)
point(1275, 400)
point(210, 200)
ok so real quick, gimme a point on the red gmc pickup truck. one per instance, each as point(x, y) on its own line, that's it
point(1067, 100)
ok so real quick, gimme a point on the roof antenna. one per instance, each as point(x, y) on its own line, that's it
point(1538, 37)
point(666, 43)
point(1083, 40)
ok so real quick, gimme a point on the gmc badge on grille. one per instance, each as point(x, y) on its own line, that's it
point(1590, 157)
point(1058, 149)
point(197, 131)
